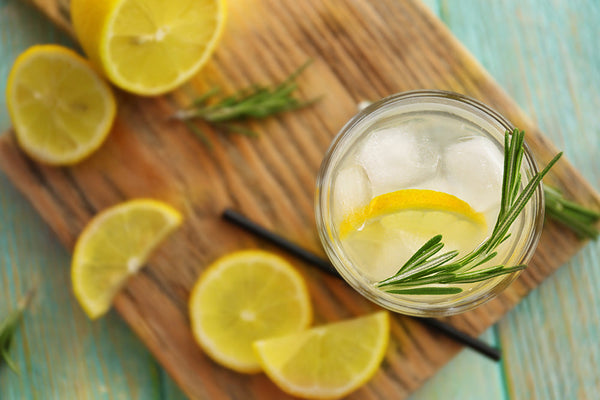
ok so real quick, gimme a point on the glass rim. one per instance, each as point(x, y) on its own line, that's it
point(325, 224)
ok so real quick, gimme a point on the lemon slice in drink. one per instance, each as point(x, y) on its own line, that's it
point(148, 47)
point(115, 245)
point(392, 227)
point(412, 199)
point(243, 297)
point(61, 109)
point(328, 361)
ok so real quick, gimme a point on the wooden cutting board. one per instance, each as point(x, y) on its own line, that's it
point(361, 50)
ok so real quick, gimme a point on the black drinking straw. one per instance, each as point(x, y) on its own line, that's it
point(324, 265)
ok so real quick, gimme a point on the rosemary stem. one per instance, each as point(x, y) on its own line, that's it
point(583, 221)
point(426, 267)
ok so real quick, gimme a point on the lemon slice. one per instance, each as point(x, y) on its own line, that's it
point(381, 236)
point(243, 297)
point(148, 47)
point(61, 109)
point(411, 199)
point(328, 361)
point(115, 245)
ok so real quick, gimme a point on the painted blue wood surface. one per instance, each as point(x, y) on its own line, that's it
point(547, 57)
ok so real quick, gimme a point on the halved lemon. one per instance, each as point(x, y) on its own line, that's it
point(329, 361)
point(243, 297)
point(115, 245)
point(148, 47)
point(61, 109)
point(411, 199)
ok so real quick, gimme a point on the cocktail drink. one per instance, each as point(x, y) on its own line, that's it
point(411, 167)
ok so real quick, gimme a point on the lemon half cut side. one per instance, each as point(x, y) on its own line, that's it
point(148, 47)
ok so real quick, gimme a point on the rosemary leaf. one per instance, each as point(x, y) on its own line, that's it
point(8, 326)
point(429, 267)
point(484, 274)
point(253, 102)
point(431, 290)
point(430, 248)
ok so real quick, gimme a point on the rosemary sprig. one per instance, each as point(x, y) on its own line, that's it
point(256, 101)
point(8, 326)
point(427, 267)
point(583, 221)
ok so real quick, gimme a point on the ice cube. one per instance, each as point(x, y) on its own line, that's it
point(473, 169)
point(378, 254)
point(351, 192)
point(395, 158)
point(389, 259)
point(438, 183)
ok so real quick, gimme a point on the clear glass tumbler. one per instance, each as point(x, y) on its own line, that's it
point(436, 121)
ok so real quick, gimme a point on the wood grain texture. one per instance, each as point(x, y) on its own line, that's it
point(271, 178)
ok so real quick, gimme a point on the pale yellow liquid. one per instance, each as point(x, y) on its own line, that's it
point(382, 245)
point(442, 149)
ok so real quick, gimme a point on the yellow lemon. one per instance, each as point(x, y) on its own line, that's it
point(115, 245)
point(148, 47)
point(327, 361)
point(61, 109)
point(243, 297)
point(411, 199)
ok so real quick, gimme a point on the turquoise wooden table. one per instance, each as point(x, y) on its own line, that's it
point(546, 56)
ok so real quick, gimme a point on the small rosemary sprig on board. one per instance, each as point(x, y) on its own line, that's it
point(8, 326)
point(426, 267)
point(579, 219)
point(256, 101)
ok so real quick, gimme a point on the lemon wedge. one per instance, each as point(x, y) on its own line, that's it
point(61, 109)
point(115, 245)
point(243, 297)
point(148, 47)
point(328, 361)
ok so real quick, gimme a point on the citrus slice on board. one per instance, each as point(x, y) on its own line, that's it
point(328, 361)
point(148, 47)
point(243, 297)
point(114, 245)
point(61, 109)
